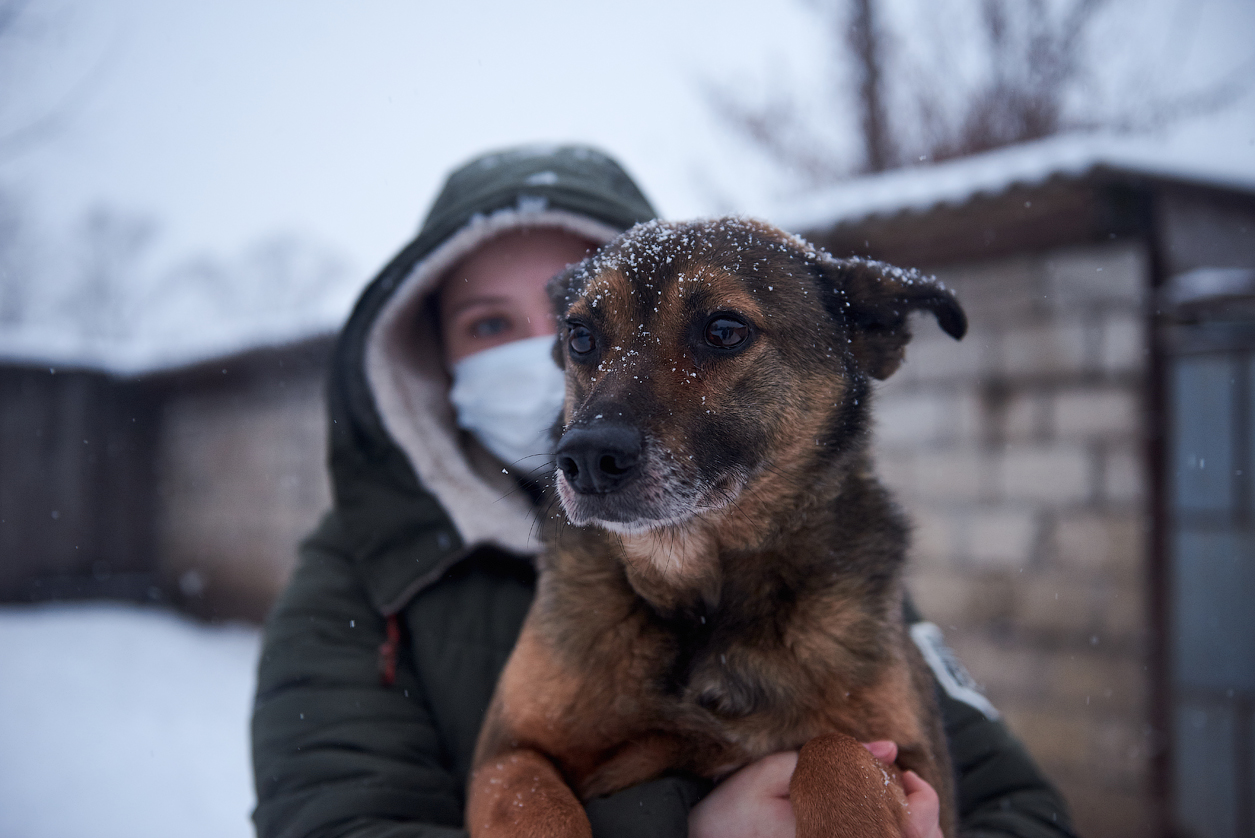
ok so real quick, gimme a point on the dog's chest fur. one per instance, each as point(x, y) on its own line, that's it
point(792, 643)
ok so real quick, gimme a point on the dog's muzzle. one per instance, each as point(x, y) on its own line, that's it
point(599, 459)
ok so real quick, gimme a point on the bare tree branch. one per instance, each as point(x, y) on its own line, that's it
point(1037, 65)
point(779, 129)
point(18, 28)
point(866, 44)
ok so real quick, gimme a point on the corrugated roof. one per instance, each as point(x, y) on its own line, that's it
point(956, 182)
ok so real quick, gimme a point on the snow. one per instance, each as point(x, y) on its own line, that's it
point(63, 349)
point(957, 181)
point(120, 720)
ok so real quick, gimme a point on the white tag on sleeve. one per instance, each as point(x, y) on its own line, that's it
point(951, 674)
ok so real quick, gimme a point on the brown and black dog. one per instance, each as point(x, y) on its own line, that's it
point(724, 578)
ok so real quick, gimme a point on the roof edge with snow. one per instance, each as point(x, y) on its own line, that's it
point(953, 183)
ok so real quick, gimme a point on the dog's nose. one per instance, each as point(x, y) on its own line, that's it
point(599, 459)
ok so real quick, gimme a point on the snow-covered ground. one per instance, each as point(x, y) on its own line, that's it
point(120, 720)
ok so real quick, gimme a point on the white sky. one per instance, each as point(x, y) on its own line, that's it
point(234, 118)
point(237, 119)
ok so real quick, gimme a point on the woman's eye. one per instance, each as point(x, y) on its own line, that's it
point(724, 332)
point(581, 340)
point(489, 327)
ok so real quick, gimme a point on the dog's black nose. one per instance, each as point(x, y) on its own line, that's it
point(600, 458)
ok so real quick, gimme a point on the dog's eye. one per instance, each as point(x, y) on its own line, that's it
point(581, 341)
point(724, 332)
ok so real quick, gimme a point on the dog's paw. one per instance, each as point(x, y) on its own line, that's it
point(839, 788)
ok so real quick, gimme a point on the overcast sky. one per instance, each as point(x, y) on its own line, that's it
point(233, 118)
point(230, 120)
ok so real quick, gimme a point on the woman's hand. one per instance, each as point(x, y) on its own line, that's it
point(754, 802)
point(923, 806)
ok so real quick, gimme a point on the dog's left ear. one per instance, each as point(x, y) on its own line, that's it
point(877, 299)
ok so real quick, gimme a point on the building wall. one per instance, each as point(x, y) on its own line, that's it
point(1019, 455)
point(76, 497)
point(241, 479)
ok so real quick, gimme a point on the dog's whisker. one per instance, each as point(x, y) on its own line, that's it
point(523, 480)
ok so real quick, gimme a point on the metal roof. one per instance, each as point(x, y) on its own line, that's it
point(920, 189)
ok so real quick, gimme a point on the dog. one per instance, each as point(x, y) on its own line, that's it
point(722, 575)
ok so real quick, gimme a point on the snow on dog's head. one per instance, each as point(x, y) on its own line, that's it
point(715, 369)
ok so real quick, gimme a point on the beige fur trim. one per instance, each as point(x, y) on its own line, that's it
point(406, 375)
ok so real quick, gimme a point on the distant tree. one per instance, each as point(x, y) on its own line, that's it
point(36, 104)
point(27, 117)
point(12, 291)
point(95, 285)
point(14, 130)
point(277, 286)
point(1035, 59)
point(1028, 63)
point(113, 245)
point(867, 47)
point(287, 272)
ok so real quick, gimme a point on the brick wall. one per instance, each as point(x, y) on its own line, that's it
point(1019, 455)
point(242, 478)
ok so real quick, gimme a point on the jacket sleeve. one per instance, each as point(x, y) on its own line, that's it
point(334, 752)
point(1001, 792)
point(657, 809)
point(337, 754)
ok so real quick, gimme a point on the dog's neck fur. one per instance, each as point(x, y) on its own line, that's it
point(682, 568)
point(837, 561)
point(673, 567)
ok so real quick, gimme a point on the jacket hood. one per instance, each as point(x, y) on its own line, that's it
point(411, 490)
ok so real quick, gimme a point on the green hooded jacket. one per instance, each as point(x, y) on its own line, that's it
point(381, 656)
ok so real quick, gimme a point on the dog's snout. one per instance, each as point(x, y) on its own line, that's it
point(599, 459)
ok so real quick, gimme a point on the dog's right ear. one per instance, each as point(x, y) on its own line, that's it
point(875, 298)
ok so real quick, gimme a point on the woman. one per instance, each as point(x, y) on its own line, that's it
point(381, 656)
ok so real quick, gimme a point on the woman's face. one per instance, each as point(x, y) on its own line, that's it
point(497, 294)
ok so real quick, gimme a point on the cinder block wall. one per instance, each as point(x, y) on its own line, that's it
point(1018, 453)
point(242, 478)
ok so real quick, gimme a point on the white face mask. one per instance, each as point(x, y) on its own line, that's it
point(509, 396)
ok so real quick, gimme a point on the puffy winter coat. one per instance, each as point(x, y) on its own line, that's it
point(380, 658)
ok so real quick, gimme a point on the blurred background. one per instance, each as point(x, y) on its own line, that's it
point(191, 195)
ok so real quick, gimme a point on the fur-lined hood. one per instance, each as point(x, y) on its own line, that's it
point(412, 491)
